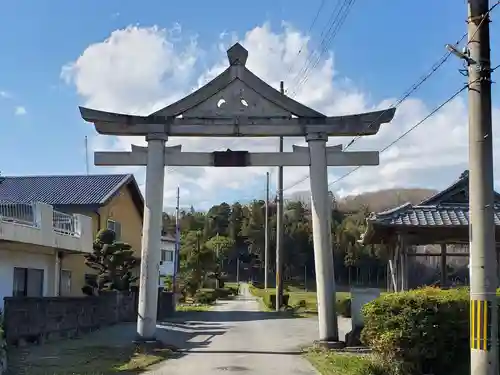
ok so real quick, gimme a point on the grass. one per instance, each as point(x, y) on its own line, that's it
point(297, 295)
point(193, 307)
point(336, 363)
point(230, 284)
point(71, 357)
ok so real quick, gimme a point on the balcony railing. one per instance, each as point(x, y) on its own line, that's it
point(25, 214)
point(20, 213)
point(64, 223)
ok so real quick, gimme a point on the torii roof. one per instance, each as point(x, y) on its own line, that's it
point(237, 103)
point(237, 56)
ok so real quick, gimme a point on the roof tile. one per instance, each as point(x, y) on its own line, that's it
point(429, 216)
point(60, 190)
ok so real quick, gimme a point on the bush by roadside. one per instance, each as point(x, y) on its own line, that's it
point(209, 296)
point(270, 300)
point(423, 331)
point(268, 296)
point(301, 300)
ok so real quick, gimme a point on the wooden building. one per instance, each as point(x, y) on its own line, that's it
point(442, 219)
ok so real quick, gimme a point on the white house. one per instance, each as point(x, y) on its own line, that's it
point(33, 240)
point(167, 256)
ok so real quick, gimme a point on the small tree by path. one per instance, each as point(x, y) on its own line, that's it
point(113, 261)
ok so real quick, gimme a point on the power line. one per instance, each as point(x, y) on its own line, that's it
point(313, 23)
point(413, 88)
point(406, 132)
point(332, 32)
point(311, 53)
point(336, 21)
point(435, 67)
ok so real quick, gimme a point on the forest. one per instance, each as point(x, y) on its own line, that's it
point(213, 241)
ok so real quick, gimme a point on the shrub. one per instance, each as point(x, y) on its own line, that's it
point(420, 332)
point(344, 306)
point(222, 293)
point(300, 304)
point(270, 300)
point(257, 284)
point(205, 297)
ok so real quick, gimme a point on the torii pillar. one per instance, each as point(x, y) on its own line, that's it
point(322, 238)
point(151, 237)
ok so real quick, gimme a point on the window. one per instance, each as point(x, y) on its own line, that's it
point(116, 227)
point(28, 282)
point(65, 287)
point(167, 256)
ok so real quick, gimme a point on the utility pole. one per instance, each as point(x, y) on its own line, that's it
point(266, 234)
point(217, 259)
point(483, 259)
point(177, 243)
point(86, 155)
point(279, 227)
point(238, 269)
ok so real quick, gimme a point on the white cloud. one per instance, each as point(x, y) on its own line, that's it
point(5, 94)
point(138, 70)
point(20, 111)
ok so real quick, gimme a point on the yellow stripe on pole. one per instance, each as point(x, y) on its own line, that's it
point(480, 325)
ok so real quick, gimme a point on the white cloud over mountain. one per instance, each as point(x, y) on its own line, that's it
point(139, 70)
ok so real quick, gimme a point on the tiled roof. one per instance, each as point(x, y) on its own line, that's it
point(427, 216)
point(458, 192)
point(62, 190)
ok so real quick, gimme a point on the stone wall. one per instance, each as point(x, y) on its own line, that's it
point(36, 319)
point(3, 349)
point(166, 307)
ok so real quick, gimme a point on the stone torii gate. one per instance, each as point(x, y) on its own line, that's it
point(237, 103)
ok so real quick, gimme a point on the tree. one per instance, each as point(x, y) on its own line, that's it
point(196, 261)
point(220, 246)
point(241, 235)
point(113, 261)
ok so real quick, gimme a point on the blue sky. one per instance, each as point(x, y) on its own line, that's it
point(382, 49)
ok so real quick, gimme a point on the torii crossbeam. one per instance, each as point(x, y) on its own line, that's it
point(173, 156)
point(237, 103)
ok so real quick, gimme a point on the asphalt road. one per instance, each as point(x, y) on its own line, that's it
point(236, 338)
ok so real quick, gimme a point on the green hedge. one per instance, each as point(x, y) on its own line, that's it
point(205, 296)
point(209, 296)
point(270, 300)
point(424, 331)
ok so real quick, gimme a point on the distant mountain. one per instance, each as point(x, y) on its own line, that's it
point(375, 201)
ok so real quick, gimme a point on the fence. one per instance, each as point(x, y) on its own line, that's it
point(21, 213)
point(37, 319)
point(64, 223)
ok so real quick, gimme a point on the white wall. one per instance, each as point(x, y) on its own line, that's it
point(42, 231)
point(10, 259)
point(167, 268)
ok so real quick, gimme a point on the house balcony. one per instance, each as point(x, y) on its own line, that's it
point(39, 224)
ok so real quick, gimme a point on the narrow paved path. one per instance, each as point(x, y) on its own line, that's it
point(236, 338)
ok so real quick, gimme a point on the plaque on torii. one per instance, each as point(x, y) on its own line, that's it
point(237, 103)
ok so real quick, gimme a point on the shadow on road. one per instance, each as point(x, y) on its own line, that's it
point(188, 331)
point(231, 316)
point(272, 352)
